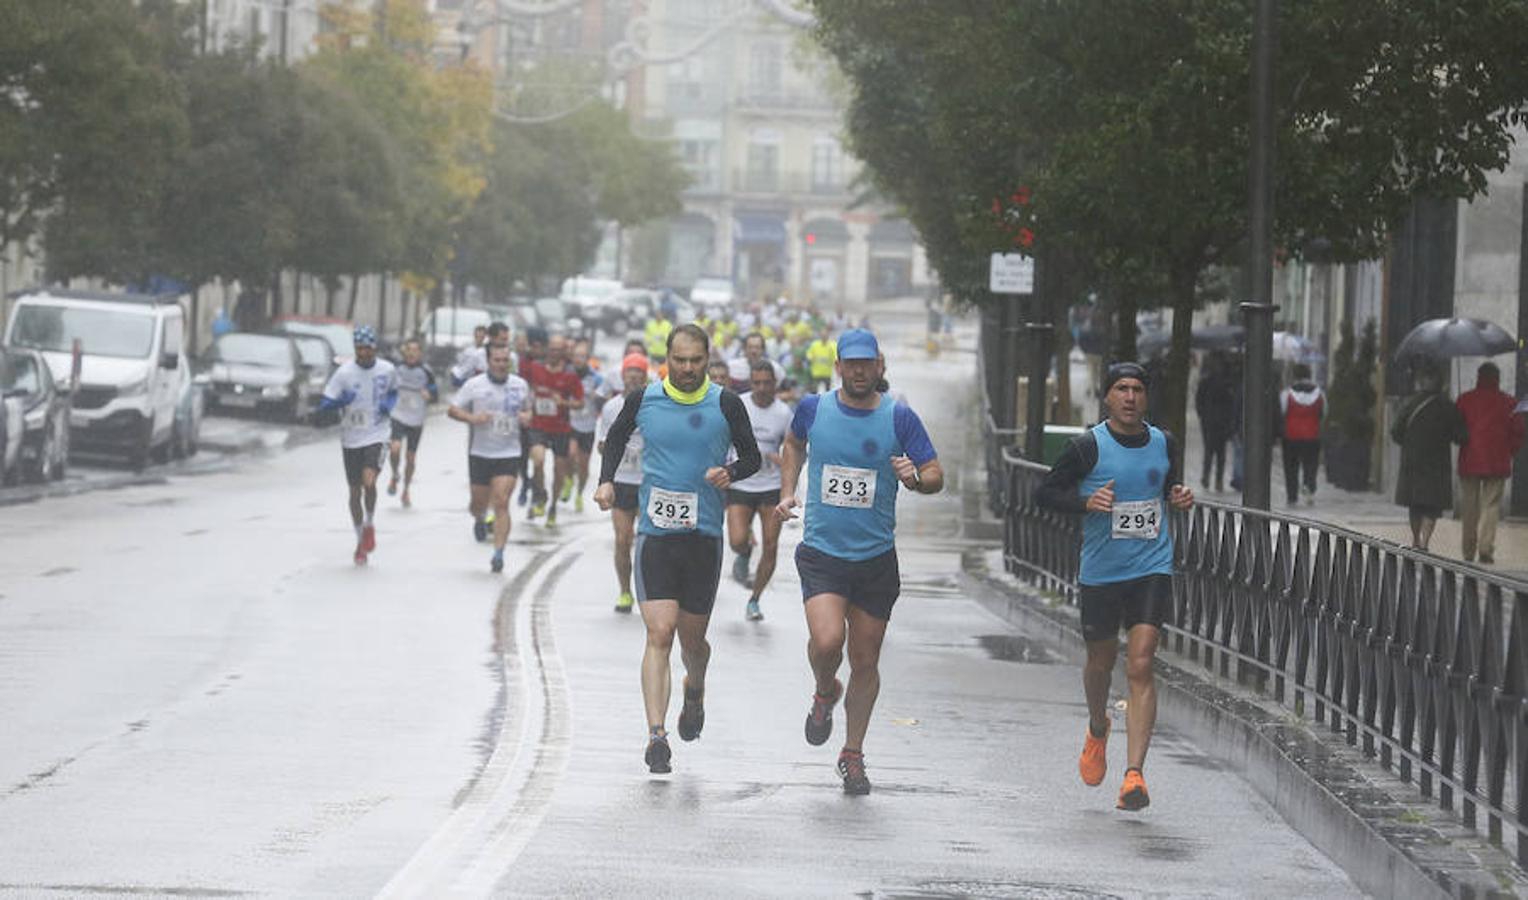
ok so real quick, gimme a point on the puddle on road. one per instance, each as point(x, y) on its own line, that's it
point(1016, 648)
point(1010, 890)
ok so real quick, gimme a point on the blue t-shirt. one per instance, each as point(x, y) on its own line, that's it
point(909, 428)
point(851, 496)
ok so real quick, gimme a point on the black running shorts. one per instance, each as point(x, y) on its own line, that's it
point(556, 441)
point(753, 499)
point(482, 470)
point(871, 584)
point(359, 459)
point(683, 567)
point(626, 496)
point(584, 440)
point(1140, 601)
point(408, 434)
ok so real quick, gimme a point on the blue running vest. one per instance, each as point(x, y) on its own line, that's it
point(856, 443)
point(1137, 474)
point(679, 443)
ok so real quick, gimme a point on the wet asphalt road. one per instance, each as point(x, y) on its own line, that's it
point(202, 696)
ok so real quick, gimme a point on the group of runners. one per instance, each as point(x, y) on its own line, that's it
point(688, 465)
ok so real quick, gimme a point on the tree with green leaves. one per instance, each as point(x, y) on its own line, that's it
point(90, 119)
point(1129, 122)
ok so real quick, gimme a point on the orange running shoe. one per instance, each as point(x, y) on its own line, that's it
point(1132, 794)
point(1094, 761)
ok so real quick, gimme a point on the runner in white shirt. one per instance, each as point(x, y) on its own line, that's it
point(760, 492)
point(496, 405)
point(628, 478)
point(416, 390)
point(473, 360)
point(583, 419)
point(363, 390)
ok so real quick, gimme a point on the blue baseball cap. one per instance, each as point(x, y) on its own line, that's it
point(857, 343)
point(365, 336)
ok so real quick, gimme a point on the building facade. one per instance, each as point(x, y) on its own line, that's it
point(749, 108)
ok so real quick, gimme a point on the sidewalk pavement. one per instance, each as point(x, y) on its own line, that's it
point(1371, 513)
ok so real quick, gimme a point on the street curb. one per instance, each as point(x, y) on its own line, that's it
point(161, 473)
point(1390, 845)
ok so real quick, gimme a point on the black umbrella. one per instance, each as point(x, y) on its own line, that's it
point(1208, 337)
point(1447, 338)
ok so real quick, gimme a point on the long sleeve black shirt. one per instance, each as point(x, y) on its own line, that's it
point(741, 428)
point(1059, 489)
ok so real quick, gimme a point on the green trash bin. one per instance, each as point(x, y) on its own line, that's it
point(1056, 439)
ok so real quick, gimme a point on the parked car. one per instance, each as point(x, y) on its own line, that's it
point(586, 297)
point(340, 333)
point(133, 368)
point(519, 313)
point(317, 357)
point(447, 331)
point(258, 373)
point(559, 318)
point(12, 430)
point(27, 383)
point(626, 309)
point(713, 295)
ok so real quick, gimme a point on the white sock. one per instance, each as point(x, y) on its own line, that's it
point(358, 531)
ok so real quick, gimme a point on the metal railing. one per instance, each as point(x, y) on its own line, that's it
point(1419, 661)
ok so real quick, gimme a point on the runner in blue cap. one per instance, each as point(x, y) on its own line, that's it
point(863, 445)
point(363, 391)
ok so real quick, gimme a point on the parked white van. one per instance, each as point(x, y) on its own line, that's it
point(136, 397)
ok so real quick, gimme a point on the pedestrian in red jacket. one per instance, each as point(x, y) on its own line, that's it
point(1485, 459)
point(1302, 407)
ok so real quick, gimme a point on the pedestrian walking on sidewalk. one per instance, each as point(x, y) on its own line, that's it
point(1485, 460)
point(1424, 426)
point(687, 425)
point(858, 447)
point(1302, 406)
point(1117, 474)
point(1216, 403)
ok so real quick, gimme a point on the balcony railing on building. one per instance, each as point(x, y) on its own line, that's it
point(765, 181)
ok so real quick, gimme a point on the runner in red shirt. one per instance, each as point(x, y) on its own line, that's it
point(555, 389)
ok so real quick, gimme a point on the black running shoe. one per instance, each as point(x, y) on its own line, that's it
point(479, 531)
point(692, 717)
point(496, 563)
point(658, 755)
point(819, 722)
point(851, 767)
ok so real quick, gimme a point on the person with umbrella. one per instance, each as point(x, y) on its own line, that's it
point(1427, 438)
point(1485, 460)
point(1424, 426)
point(1216, 403)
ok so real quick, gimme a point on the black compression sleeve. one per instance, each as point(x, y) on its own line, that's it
point(1174, 464)
point(1059, 489)
point(619, 433)
point(748, 458)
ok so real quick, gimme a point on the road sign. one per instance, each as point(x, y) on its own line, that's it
point(1012, 273)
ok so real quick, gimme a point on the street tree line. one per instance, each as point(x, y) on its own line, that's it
point(1111, 140)
point(129, 155)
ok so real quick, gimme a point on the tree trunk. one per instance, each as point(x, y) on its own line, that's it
point(275, 297)
point(331, 287)
point(1059, 295)
point(355, 290)
point(1124, 327)
point(1174, 413)
point(382, 315)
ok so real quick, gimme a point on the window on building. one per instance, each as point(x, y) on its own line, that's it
point(763, 172)
point(765, 69)
point(700, 158)
point(827, 164)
